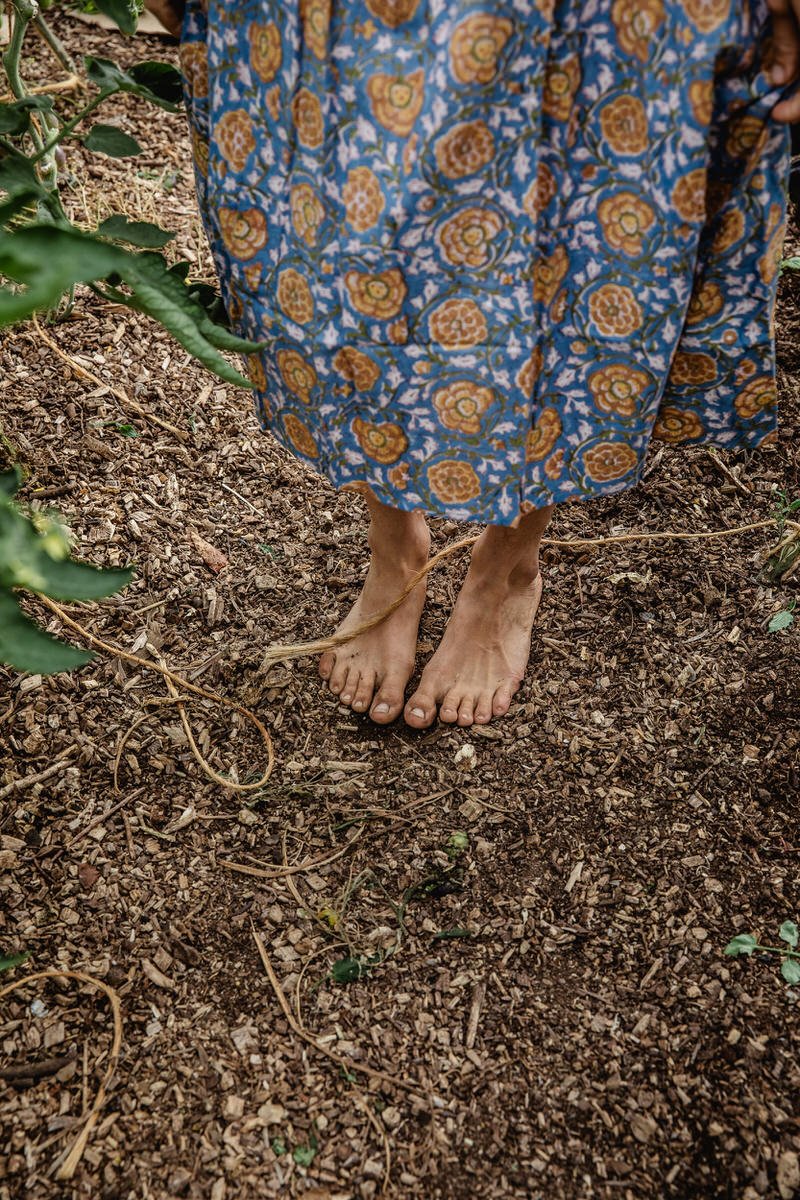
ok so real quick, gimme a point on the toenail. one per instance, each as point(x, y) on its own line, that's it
point(381, 708)
point(346, 698)
point(418, 712)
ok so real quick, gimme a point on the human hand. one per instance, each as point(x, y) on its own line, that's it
point(169, 13)
point(785, 65)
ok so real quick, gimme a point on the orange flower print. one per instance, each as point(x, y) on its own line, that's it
point(233, 133)
point(297, 373)
point(465, 240)
point(294, 297)
point(540, 192)
point(548, 274)
point(307, 117)
point(677, 425)
point(194, 64)
point(554, 467)
point(625, 220)
point(770, 261)
point(307, 212)
point(618, 388)
point(363, 198)
point(461, 405)
point(476, 46)
point(543, 436)
point(453, 481)
point(265, 50)
point(256, 373)
point(530, 371)
point(398, 476)
point(393, 12)
point(746, 137)
point(561, 81)
point(300, 436)
point(707, 15)
point(243, 233)
point(609, 460)
point(457, 324)
point(701, 98)
point(316, 18)
point(729, 231)
point(690, 369)
point(614, 310)
point(706, 302)
point(200, 152)
point(636, 23)
point(689, 196)
point(397, 100)
point(357, 367)
point(273, 102)
point(759, 394)
point(465, 149)
point(398, 332)
point(384, 442)
point(623, 122)
point(380, 295)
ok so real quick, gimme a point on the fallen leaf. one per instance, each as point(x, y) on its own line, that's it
point(88, 876)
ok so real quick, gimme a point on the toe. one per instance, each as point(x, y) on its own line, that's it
point(502, 698)
point(389, 698)
point(350, 686)
point(338, 676)
point(326, 664)
point(449, 707)
point(420, 710)
point(364, 691)
point(466, 711)
point(483, 709)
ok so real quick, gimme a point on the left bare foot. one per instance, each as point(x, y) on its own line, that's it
point(483, 655)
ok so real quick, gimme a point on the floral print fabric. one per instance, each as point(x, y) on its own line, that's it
point(494, 246)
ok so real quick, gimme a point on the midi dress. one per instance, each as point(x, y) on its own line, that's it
point(493, 247)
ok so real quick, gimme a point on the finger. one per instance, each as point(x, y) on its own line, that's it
point(788, 111)
point(785, 57)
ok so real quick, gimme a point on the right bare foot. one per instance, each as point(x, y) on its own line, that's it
point(372, 670)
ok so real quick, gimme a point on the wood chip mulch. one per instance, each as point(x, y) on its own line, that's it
point(556, 1015)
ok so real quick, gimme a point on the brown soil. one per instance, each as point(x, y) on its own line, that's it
point(636, 809)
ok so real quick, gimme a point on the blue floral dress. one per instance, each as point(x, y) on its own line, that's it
point(494, 246)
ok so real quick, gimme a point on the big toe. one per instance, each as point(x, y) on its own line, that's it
point(421, 709)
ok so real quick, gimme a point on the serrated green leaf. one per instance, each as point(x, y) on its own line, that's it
point(157, 82)
point(743, 943)
point(135, 233)
point(108, 139)
point(781, 620)
point(788, 933)
point(26, 648)
point(790, 970)
point(123, 13)
point(7, 961)
point(49, 260)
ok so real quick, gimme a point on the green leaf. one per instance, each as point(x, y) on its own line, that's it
point(7, 961)
point(455, 932)
point(157, 82)
point(80, 581)
point(27, 648)
point(348, 970)
point(788, 933)
point(304, 1155)
point(18, 176)
point(16, 117)
point(457, 843)
point(790, 264)
point(790, 970)
point(50, 260)
point(135, 233)
point(108, 139)
point(278, 1146)
point(743, 943)
point(781, 620)
point(10, 482)
point(123, 13)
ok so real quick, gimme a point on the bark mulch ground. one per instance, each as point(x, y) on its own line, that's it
point(541, 925)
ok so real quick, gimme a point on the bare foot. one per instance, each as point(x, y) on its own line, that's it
point(371, 671)
point(484, 652)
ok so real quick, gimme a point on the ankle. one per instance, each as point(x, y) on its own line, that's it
point(499, 569)
point(402, 544)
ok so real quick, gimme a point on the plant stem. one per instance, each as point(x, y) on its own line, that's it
point(56, 45)
point(25, 11)
point(67, 128)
